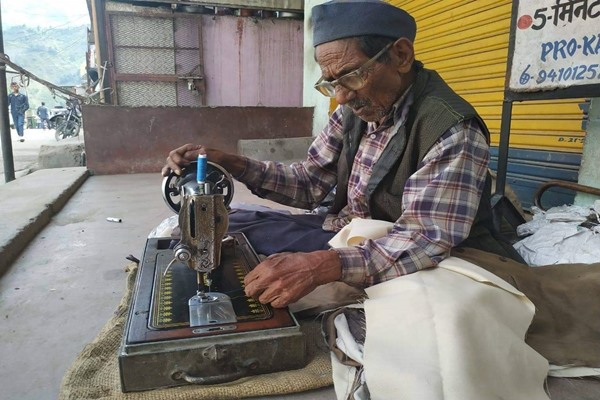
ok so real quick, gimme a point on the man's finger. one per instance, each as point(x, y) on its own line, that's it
point(254, 288)
point(268, 296)
point(165, 171)
point(251, 276)
point(279, 303)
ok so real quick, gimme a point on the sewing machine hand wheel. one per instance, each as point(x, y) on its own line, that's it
point(221, 182)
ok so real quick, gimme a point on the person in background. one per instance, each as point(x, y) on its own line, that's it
point(42, 112)
point(18, 104)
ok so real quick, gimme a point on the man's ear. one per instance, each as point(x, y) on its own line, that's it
point(404, 51)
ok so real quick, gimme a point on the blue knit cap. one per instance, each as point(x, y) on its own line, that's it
point(339, 19)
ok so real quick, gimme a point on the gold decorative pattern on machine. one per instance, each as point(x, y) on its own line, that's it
point(173, 289)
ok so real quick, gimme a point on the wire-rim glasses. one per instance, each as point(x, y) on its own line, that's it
point(352, 80)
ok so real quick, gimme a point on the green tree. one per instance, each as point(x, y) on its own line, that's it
point(56, 55)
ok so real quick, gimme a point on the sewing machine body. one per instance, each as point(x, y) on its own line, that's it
point(165, 343)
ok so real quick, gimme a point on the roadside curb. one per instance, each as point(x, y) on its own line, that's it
point(29, 203)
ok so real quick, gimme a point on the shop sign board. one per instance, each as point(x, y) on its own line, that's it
point(555, 45)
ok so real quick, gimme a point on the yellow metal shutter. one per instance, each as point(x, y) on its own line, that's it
point(466, 42)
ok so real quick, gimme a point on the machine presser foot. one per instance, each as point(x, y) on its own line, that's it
point(211, 308)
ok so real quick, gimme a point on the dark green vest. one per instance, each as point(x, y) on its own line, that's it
point(435, 109)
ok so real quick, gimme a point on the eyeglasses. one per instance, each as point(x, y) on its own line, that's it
point(352, 80)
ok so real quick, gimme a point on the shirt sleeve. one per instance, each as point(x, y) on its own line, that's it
point(440, 201)
point(301, 184)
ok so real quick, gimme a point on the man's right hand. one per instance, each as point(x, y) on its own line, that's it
point(182, 156)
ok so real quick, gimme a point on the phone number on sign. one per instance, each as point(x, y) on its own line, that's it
point(577, 73)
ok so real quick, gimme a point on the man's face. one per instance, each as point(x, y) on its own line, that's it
point(385, 82)
point(15, 88)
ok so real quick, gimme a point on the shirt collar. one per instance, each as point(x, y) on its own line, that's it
point(398, 113)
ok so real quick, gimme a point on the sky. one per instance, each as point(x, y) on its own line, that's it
point(44, 13)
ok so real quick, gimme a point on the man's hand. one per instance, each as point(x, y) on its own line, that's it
point(284, 278)
point(182, 156)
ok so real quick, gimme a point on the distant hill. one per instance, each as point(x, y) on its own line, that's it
point(56, 55)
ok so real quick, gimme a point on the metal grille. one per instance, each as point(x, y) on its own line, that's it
point(151, 47)
point(186, 33)
point(187, 62)
point(141, 31)
point(186, 97)
point(152, 94)
point(144, 61)
point(187, 59)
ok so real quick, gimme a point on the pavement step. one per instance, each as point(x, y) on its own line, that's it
point(28, 204)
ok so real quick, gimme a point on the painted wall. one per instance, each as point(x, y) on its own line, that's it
point(312, 73)
point(252, 62)
point(236, 61)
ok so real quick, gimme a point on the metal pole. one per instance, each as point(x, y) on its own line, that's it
point(7, 151)
point(503, 147)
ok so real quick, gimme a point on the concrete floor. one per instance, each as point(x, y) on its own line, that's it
point(63, 288)
point(65, 285)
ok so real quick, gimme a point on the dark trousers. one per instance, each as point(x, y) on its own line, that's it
point(271, 232)
point(19, 121)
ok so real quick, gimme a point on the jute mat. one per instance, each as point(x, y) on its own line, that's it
point(95, 373)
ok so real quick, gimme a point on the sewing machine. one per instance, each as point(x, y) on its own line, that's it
point(189, 320)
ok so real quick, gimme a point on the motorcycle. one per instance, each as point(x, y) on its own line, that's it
point(68, 123)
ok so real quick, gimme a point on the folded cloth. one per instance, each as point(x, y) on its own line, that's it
point(452, 332)
point(360, 229)
point(565, 328)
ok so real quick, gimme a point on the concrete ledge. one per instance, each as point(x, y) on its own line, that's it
point(28, 204)
point(61, 155)
point(275, 149)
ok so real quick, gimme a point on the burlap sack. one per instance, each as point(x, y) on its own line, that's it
point(95, 372)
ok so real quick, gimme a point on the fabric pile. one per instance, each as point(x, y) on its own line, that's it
point(561, 235)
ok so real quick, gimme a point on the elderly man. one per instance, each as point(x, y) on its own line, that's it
point(402, 147)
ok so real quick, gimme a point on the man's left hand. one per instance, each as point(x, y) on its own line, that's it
point(284, 278)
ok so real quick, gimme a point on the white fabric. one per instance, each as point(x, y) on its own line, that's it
point(555, 237)
point(358, 230)
point(345, 341)
point(560, 243)
point(327, 297)
point(455, 332)
point(572, 372)
point(344, 377)
point(456, 338)
point(350, 380)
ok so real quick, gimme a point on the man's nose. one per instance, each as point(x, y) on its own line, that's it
point(343, 95)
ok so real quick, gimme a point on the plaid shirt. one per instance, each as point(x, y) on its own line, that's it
point(439, 201)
